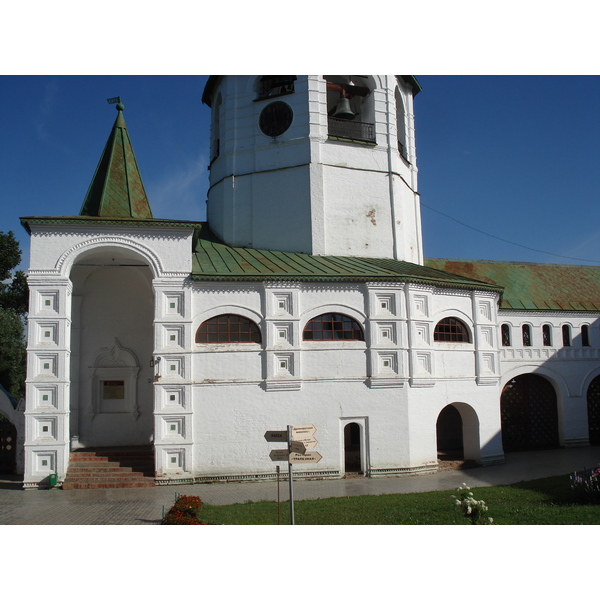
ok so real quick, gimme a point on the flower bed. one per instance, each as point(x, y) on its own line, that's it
point(585, 486)
point(184, 512)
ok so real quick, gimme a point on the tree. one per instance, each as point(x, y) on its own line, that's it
point(13, 285)
point(13, 308)
point(12, 352)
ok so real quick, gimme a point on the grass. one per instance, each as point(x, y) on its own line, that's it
point(540, 502)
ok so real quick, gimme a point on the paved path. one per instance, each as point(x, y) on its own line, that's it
point(144, 506)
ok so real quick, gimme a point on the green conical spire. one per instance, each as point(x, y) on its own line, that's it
point(117, 189)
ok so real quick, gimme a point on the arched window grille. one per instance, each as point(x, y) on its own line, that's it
point(228, 329)
point(547, 335)
point(332, 326)
point(566, 334)
point(505, 334)
point(451, 330)
point(526, 335)
point(585, 335)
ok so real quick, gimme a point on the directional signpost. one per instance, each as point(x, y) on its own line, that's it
point(299, 439)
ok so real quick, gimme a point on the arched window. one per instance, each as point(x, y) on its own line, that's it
point(270, 86)
point(451, 330)
point(547, 335)
point(228, 329)
point(505, 334)
point(566, 332)
point(526, 335)
point(350, 107)
point(215, 133)
point(585, 335)
point(400, 124)
point(332, 326)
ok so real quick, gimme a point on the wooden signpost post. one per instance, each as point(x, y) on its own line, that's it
point(299, 439)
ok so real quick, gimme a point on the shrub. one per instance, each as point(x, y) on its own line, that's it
point(585, 486)
point(471, 509)
point(184, 512)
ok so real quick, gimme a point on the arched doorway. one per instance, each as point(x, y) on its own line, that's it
point(449, 432)
point(529, 414)
point(593, 409)
point(8, 445)
point(112, 341)
point(352, 462)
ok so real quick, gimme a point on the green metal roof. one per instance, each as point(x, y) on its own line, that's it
point(215, 261)
point(533, 286)
point(108, 221)
point(117, 189)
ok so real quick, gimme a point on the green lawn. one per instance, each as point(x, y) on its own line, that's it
point(541, 502)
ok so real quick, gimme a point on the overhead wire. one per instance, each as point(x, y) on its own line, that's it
point(505, 240)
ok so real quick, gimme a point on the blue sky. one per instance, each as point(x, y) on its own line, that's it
point(510, 157)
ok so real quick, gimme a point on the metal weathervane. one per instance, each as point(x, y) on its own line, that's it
point(114, 100)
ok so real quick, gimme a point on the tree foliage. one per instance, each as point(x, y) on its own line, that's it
point(12, 352)
point(13, 308)
point(13, 285)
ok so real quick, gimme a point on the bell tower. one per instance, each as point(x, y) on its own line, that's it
point(317, 164)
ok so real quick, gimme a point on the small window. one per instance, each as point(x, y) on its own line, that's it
point(526, 335)
point(228, 329)
point(566, 333)
point(547, 335)
point(271, 86)
point(505, 335)
point(451, 330)
point(585, 335)
point(332, 326)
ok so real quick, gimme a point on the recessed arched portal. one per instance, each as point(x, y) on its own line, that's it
point(529, 413)
point(449, 431)
point(352, 462)
point(113, 342)
point(457, 431)
point(593, 409)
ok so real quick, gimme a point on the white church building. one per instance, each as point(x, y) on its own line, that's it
point(304, 299)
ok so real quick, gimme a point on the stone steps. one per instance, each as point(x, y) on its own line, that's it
point(103, 468)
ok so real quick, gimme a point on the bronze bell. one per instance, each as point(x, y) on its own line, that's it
point(342, 110)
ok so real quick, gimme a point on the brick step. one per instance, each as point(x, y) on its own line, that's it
point(68, 485)
point(112, 477)
point(95, 468)
point(105, 473)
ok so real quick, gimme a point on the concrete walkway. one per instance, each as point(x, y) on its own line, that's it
point(144, 506)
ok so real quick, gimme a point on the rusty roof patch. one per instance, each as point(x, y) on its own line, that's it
point(533, 286)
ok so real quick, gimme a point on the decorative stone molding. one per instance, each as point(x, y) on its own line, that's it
point(114, 381)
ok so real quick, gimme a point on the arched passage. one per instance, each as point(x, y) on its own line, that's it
point(457, 431)
point(529, 413)
point(112, 342)
point(593, 410)
point(449, 431)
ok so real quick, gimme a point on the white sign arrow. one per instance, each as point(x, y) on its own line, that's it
point(302, 431)
point(312, 457)
point(280, 455)
point(298, 447)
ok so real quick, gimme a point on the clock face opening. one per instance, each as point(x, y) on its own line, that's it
point(275, 118)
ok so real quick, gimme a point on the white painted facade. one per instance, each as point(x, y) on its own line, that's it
point(115, 303)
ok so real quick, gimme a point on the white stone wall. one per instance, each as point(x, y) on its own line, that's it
point(91, 323)
point(239, 393)
point(570, 369)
